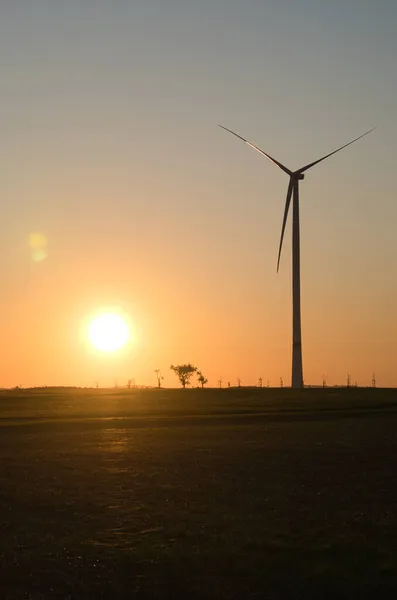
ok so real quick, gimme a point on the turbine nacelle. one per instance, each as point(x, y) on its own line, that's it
point(298, 176)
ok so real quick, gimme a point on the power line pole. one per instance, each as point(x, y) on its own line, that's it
point(324, 380)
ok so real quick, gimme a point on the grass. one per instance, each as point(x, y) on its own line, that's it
point(217, 494)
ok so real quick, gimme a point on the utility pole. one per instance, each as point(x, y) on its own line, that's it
point(373, 380)
point(348, 380)
point(281, 382)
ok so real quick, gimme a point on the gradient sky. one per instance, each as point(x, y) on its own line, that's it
point(110, 148)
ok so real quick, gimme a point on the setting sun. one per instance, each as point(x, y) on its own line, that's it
point(108, 332)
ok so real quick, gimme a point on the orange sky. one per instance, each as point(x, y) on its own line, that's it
point(110, 149)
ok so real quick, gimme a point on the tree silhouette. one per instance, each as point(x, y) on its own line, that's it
point(159, 377)
point(201, 379)
point(184, 373)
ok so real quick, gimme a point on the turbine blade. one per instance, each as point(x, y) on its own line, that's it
point(287, 204)
point(273, 160)
point(306, 167)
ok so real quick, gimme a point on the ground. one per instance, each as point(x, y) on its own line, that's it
point(215, 494)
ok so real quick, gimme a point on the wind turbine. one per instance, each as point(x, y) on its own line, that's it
point(293, 191)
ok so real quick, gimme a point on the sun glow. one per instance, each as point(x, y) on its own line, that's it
point(108, 332)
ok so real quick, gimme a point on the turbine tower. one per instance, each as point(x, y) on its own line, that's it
point(293, 192)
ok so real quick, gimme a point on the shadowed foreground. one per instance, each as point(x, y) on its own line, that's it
point(198, 494)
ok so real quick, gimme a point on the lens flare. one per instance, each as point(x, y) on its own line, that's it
point(38, 246)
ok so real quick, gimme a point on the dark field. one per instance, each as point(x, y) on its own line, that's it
point(198, 494)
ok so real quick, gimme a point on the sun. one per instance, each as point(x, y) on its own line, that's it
point(108, 332)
